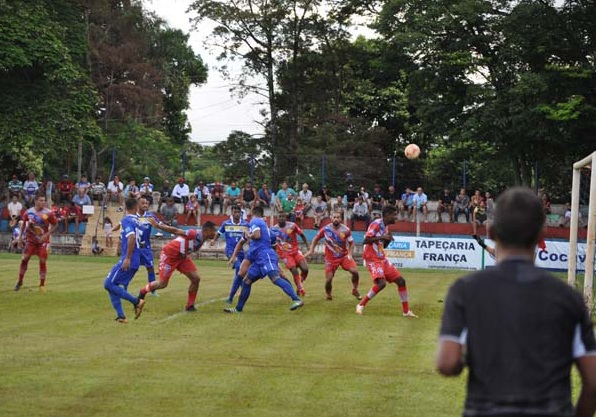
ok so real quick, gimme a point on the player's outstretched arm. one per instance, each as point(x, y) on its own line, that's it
point(166, 228)
point(236, 251)
point(311, 249)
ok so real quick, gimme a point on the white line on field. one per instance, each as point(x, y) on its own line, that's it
point(181, 313)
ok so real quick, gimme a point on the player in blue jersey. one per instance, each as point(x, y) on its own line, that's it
point(233, 230)
point(122, 273)
point(260, 261)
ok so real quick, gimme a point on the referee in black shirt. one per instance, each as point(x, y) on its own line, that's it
point(517, 328)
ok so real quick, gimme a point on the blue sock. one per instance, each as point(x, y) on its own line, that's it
point(286, 287)
point(120, 292)
point(151, 276)
point(117, 304)
point(236, 283)
point(244, 294)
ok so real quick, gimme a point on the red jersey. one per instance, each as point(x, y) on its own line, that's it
point(336, 240)
point(375, 252)
point(287, 238)
point(38, 222)
point(66, 187)
point(182, 246)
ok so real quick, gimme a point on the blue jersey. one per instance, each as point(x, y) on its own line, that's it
point(264, 242)
point(145, 229)
point(129, 226)
point(233, 232)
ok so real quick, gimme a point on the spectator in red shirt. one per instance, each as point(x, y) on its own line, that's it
point(65, 189)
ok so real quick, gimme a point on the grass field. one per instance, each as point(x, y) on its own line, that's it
point(62, 353)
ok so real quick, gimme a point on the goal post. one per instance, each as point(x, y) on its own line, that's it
point(588, 161)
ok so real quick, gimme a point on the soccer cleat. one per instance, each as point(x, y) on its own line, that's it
point(121, 320)
point(410, 313)
point(139, 308)
point(18, 286)
point(228, 301)
point(191, 308)
point(356, 294)
point(231, 310)
point(329, 297)
point(359, 309)
point(154, 293)
point(301, 292)
point(42, 289)
point(296, 305)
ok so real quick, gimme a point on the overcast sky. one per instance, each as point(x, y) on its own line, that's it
point(213, 112)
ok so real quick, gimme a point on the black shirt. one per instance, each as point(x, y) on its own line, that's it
point(523, 328)
point(446, 199)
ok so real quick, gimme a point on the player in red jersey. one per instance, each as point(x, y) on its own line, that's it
point(175, 256)
point(289, 252)
point(39, 223)
point(381, 270)
point(339, 246)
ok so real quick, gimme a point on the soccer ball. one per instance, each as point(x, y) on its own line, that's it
point(412, 151)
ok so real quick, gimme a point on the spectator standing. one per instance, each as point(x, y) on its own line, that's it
point(264, 196)
point(321, 210)
point(181, 192)
point(98, 190)
point(217, 197)
point(83, 184)
point(66, 189)
point(445, 205)
point(146, 190)
point(360, 212)
point(15, 187)
point(30, 188)
point(306, 196)
point(192, 209)
point(15, 208)
point(169, 212)
point(462, 205)
point(115, 192)
point(248, 196)
point(520, 364)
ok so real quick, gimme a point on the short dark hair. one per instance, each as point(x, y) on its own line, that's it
point(389, 210)
point(257, 211)
point(208, 225)
point(519, 219)
point(236, 208)
point(131, 203)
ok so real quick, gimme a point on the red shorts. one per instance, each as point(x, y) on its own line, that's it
point(167, 266)
point(292, 260)
point(34, 248)
point(383, 269)
point(332, 264)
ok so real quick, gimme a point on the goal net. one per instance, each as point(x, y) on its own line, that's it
point(583, 193)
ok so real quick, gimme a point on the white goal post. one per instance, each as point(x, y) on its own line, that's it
point(589, 160)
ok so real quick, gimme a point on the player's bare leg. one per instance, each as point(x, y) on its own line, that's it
point(378, 286)
point(329, 285)
point(355, 282)
point(193, 290)
point(22, 270)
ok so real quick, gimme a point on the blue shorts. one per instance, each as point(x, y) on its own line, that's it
point(265, 264)
point(146, 257)
point(117, 276)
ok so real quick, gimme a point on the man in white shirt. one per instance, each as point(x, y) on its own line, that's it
point(360, 212)
point(115, 191)
point(203, 194)
point(306, 195)
point(30, 188)
point(14, 211)
point(419, 201)
point(181, 192)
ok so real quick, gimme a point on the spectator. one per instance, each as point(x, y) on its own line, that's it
point(107, 228)
point(248, 196)
point(462, 205)
point(377, 201)
point(360, 212)
point(338, 205)
point(61, 213)
point(50, 189)
point(192, 209)
point(479, 216)
point(392, 197)
point(205, 198)
point(282, 194)
point(164, 193)
point(231, 196)
point(546, 203)
point(3, 204)
point(306, 196)
point(115, 191)
point(350, 196)
point(407, 203)
point(146, 190)
point(30, 188)
point(82, 199)
point(83, 184)
point(98, 190)
point(321, 210)
point(200, 194)
point(74, 214)
point(15, 187)
point(420, 201)
point(566, 219)
point(264, 196)
point(132, 190)
point(217, 197)
point(15, 207)
point(288, 206)
point(181, 192)
point(476, 199)
point(364, 194)
point(326, 196)
point(490, 206)
point(169, 212)
point(445, 205)
point(299, 211)
point(66, 189)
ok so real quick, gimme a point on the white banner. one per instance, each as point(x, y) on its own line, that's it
point(465, 253)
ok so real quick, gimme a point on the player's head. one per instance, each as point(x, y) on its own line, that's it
point(236, 213)
point(131, 205)
point(336, 218)
point(257, 211)
point(389, 214)
point(143, 205)
point(209, 230)
point(281, 219)
point(519, 219)
point(40, 201)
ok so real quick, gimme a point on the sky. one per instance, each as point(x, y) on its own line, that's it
point(214, 112)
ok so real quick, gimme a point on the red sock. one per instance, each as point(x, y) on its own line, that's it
point(371, 294)
point(403, 295)
point(43, 270)
point(298, 281)
point(192, 296)
point(23, 270)
point(146, 289)
point(303, 275)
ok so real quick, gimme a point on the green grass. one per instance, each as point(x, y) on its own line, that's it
point(62, 353)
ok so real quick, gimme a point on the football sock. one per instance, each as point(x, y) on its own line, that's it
point(151, 276)
point(403, 295)
point(286, 287)
point(244, 294)
point(355, 281)
point(23, 270)
point(235, 285)
point(371, 294)
point(303, 275)
point(192, 296)
point(43, 270)
point(117, 304)
point(146, 289)
point(297, 281)
point(328, 288)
